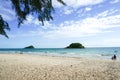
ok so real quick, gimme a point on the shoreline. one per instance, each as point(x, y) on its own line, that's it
point(92, 53)
point(34, 67)
point(91, 57)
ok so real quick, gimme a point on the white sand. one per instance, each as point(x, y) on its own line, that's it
point(35, 67)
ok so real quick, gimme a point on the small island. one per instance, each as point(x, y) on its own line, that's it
point(29, 47)
point(75, 45)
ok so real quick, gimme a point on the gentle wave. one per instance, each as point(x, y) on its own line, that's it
point(86, 53)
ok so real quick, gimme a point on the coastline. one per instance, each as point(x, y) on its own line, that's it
point(92, 53)
point(37, 67)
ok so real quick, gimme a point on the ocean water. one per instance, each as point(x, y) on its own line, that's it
point(100, 53)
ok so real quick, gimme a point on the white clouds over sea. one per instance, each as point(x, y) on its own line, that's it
point(80, 20)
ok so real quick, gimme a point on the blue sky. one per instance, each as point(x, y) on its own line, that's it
point(94, 23)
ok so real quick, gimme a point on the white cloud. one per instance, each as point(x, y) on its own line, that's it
point(100, 23)
point(6, 17)
point(86, 27)
point(77, 3)
point(111, 21)
point(73, 5)
point(114, 1)
point(31, 20)
point(88, 9)
point(74, 29)
point(67, 11)
point(105, 42)
point(56, 4)
point(6, 10)
point(115, 42)
point(107, 13)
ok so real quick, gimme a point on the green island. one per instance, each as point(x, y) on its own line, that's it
point(75, 45)
point(29, 47)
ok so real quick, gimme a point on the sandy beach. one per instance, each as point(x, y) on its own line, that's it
point(36, 67)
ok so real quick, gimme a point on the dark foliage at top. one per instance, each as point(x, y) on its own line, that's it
point(3, 25)
point(42, 9)
point(75, 45)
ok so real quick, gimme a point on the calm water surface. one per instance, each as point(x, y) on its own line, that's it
point(102, 53)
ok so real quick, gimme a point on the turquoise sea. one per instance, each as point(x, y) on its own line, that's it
point(100, 53)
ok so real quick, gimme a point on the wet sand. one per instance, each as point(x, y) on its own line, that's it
point(35, 67)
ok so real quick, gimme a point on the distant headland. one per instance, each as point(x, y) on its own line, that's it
point(75, 45)
point(29, 47)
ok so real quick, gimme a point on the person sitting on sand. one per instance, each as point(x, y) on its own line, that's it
point(114, 57)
